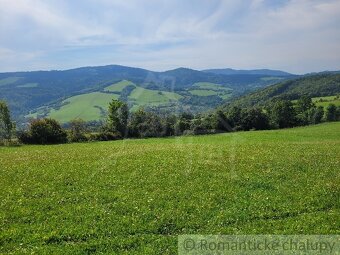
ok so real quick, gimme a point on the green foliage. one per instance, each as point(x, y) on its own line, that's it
point(311, 86)
point(29, 92)
point(254, 118)
point(137, 196)
point(146, 124)
point(118, 114)
point(316, 115)
point(44, 131)
point(331, 113)
point(282, 114)
point(77, 130)
point(6, 124)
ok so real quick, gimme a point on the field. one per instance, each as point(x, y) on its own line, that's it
point(203, 93)
point(142, 97)
point(9, 80)
point(90, 106)
point(325, 101)
point(210, 89)
point(137, 196)
point(119, 86)
point(28, 85)
point(87, 107)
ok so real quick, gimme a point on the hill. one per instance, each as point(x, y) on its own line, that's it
point(30, 93)
point(267, 72)
point(137, 196)
point(318, 85)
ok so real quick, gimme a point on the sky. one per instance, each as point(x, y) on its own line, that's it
point(297, 36)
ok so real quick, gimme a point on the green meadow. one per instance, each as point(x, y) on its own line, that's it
point(147, 97)
point(198, 92)
point(325, 101)
point(9, 80)
point(88, 107)
point(119, 86)
point(137, 196)
point(210, 89)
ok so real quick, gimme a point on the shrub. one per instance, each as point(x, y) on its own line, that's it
point(77, 129)
point(331, 112)
point(104, 136)
point(44, 131)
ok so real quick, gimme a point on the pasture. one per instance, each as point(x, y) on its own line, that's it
point(325, 101)
point(88, 107)
point(137, 196)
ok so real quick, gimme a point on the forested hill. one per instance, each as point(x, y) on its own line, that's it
point(45, 91)
point(318, 85)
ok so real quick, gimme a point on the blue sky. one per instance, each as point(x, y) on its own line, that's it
point(293, 35)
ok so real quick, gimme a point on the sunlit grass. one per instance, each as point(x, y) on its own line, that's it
point(136, 196)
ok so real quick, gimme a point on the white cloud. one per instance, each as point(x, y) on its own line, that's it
point(296, 35)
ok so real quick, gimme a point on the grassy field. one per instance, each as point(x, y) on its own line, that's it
point(211, 86)
point(87, 107)
point(141, 97)
point(137, 196)
point(9, 80)
point(203, 93)
point(119, 86)
point(325, 101)
point(210, 89)
point(28, 85)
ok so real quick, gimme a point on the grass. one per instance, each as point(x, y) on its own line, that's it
point(211, 86)
point(203, 93)
point(87, 107)
point(141, 96)
point(119, 86)
point(28, 85)
point(90, 107)
point(210, 89)
point(325, 101)
point(137, 196)
point(9, 80)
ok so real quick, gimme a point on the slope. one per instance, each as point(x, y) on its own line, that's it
point(319, 85)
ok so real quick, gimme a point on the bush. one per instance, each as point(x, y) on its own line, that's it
point(104, 136)
point(44, 131)
point(77, 130)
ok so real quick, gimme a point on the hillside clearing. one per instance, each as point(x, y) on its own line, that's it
point(119, 86)
point(88, 107)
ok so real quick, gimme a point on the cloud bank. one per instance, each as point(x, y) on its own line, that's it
point(293, 35)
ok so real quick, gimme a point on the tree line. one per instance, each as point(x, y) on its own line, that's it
point(121, 123)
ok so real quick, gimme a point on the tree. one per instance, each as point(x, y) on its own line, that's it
point(331, 112)
point(254, 118)
point(169, 125)
point(145, 124)
point(281, 114)
point(316, 114)
point(44, 131)
point(222, 122)
point(234, 116)
point(304, 110)
point(304, 104)
point(118, 114)
point(6, 124)
point(77, 130)
point(183, 123)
